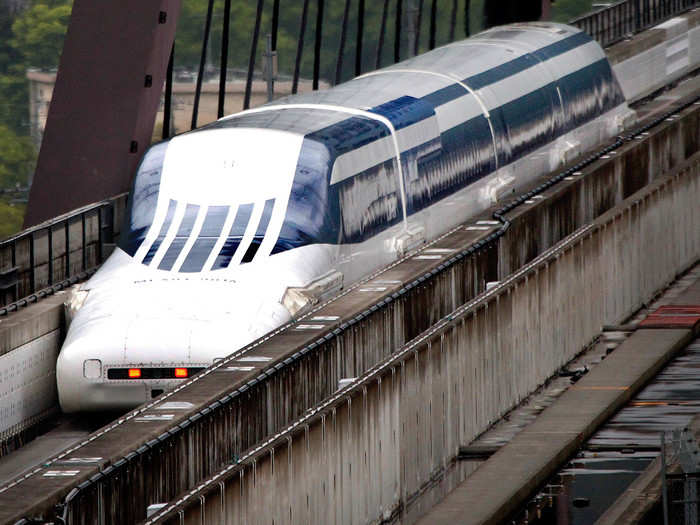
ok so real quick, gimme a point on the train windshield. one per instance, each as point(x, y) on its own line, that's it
point(219, 199)
point(143, 199)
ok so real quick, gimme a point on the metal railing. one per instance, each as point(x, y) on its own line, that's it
point(58, 253)
point(53, 255)
point(313, 32)
point(623, 19)
point(680, 477)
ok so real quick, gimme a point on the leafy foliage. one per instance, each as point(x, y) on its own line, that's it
point(16, 157)
point(566, 10)
point(11, 218)
point(38, 33)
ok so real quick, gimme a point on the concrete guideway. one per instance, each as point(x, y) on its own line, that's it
point(680, 144)
point(393, 313)
point(498, 487)
point(402, 422)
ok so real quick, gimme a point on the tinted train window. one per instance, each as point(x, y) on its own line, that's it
point(311, 216)
point(143, 199)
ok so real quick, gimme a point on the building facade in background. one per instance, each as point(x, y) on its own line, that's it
point(41, 88)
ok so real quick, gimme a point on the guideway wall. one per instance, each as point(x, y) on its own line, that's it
point(140, 462)
point(385, 449)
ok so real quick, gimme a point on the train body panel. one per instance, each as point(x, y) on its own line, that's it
point(236, 227)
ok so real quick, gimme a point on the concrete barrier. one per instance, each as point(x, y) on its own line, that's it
point(387, 447)
point(657, 57)
point(31, 337)
point(305, 367)
point(29, 344)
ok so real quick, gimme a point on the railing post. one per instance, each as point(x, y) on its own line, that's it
point(359, 41)
point(397, 31)
point(202, 63)
point(168, 99)
point(32, 278)
point(50, 239)
point(380, 38)
point(100, 238)
point(84, 248)
point(223, 64)
point(67, 233)
point(317, 44)
point(300, 47)
point(664, 490)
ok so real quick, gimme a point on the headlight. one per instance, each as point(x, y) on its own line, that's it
point(92, 368)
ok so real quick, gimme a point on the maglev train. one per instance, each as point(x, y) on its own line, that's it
point(235, 228)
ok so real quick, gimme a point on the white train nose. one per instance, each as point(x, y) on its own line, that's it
point(81, 373)
point(114, 363)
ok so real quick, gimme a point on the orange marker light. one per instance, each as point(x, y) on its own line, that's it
point(180, 372)
point(134, 373)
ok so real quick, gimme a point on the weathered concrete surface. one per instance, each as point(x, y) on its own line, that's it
point(253, 400)
point(498, 488)
point(29, 344)
point(387, 447)
point(653, 59)
point(31, 337)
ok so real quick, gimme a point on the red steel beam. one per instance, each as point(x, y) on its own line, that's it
point(104, 104)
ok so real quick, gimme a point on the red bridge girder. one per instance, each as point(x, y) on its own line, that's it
point(103, 108)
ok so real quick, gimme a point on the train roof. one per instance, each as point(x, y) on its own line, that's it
point(477, 61)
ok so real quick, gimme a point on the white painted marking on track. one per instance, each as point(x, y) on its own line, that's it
point(175, 405)
point(149, 418)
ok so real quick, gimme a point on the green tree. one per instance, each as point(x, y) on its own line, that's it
point(39, 32)
point(14, 98)
point(16, 158)
point(566, 10)
point(11, 218)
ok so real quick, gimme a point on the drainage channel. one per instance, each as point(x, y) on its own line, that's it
point(589, 483)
